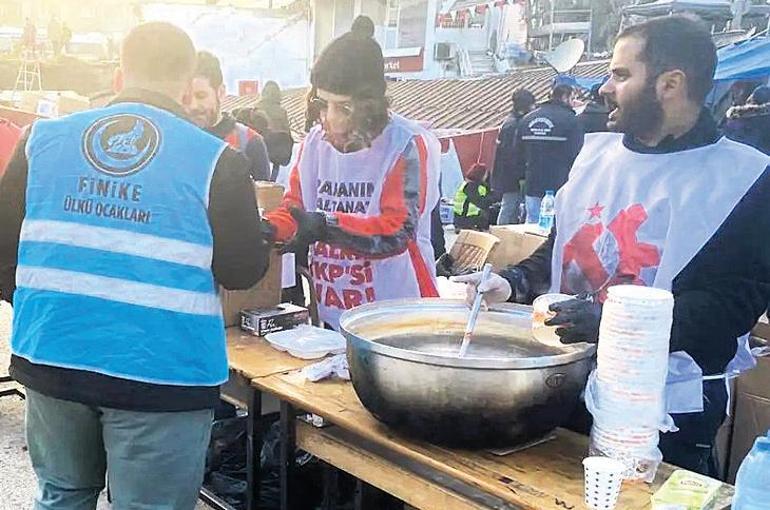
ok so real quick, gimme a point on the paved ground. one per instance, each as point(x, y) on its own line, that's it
point(17, 481)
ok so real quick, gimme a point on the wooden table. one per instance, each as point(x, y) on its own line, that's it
point(547, 476)
point(250, 358)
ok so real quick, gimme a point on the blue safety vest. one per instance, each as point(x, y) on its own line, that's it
point(114, 272)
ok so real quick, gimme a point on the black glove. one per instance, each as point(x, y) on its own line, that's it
point(445, 265)
point(579, 319)
point(311, 227)
point(520, 288)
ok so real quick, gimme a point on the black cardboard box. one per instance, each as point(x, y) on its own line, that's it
point(261, 321)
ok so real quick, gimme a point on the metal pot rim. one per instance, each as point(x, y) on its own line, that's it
point(574, 352)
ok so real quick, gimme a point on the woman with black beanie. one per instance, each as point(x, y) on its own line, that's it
point(363, 186)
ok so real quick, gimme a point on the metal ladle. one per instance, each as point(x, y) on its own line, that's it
point(474, 313)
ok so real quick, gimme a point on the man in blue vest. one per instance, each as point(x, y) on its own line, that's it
point(116, 225)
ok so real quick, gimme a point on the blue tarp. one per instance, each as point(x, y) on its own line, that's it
point(746, 60)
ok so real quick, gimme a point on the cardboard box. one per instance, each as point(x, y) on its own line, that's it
point(269, 195)
point(517, 242)
point(53, 103)
point(70, 102)
point(267, 292)
point(722, 443)
point(752, 413)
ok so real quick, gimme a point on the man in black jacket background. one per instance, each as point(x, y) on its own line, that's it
point(593, 118)
point(549, 139)
point(508, 173)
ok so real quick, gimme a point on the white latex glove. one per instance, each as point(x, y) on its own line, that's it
point(495, 289)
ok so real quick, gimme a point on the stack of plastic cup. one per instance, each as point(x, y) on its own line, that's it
point(632, 364)
point(603, 477)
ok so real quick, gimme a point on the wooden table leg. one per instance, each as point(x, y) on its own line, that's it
point(288, 423)
point(253, 449)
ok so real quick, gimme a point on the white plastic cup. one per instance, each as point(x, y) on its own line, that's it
point(603, 477)
point(541, 312)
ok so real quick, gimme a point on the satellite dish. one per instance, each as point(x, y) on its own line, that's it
point(566, 55)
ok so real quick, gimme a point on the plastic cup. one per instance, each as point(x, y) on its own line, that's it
point(603, 477)
point(541, 313)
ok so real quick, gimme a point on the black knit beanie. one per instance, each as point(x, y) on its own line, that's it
point(351, 65)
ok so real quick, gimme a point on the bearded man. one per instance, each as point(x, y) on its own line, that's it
point(666, 202)
point(204, 108)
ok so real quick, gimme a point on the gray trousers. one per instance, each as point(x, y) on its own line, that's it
point(153, 460)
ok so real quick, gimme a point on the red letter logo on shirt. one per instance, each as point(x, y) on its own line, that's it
point(630, 254)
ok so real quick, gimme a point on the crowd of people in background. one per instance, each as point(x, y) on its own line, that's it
point(538, 143)
point(57, 38)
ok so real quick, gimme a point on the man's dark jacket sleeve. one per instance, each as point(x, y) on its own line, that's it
point(241, 252)
point(725, 288)
point(13, 190)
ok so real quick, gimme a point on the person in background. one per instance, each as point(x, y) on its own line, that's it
point(117, 226)
point(508, 172)
point(66, 37)
point(750, 123)
point(473, 200)
point(593, 118)
point(29, 37)
point(55, 35)
point(204, 107)
point(270, 105)
point(549, 139)
point(278, 133)
point(665, 201)
point(363, 187)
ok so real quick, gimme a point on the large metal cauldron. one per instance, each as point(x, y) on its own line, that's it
point(507, 390)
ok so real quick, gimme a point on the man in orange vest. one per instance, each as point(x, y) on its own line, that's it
point(204, 107)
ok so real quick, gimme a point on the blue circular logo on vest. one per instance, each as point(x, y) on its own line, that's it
point(121, 145)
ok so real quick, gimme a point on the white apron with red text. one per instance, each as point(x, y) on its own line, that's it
point(630, 218)
point(352, 183)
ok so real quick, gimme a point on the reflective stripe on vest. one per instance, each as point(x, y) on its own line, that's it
point(463, 204)
point(114, 273)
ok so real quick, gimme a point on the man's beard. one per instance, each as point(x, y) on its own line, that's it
point(641, 116)
point(206, 117)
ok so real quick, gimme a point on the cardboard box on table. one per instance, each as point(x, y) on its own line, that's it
point(751, 413)
point(267, 292)
point(517, 242)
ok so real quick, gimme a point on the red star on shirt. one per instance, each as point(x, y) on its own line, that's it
point(595, 211)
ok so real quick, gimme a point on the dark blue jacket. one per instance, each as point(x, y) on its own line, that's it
point(750, 124)
point(550, 139)
point(507, 171)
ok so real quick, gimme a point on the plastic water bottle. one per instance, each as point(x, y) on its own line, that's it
point(547, 212)
point(752, 485)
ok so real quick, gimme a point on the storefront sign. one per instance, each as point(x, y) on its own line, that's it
point(405, 64)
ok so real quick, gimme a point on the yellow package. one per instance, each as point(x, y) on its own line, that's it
point(685, 490)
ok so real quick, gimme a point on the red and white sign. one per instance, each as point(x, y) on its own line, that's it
point(408, 60)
